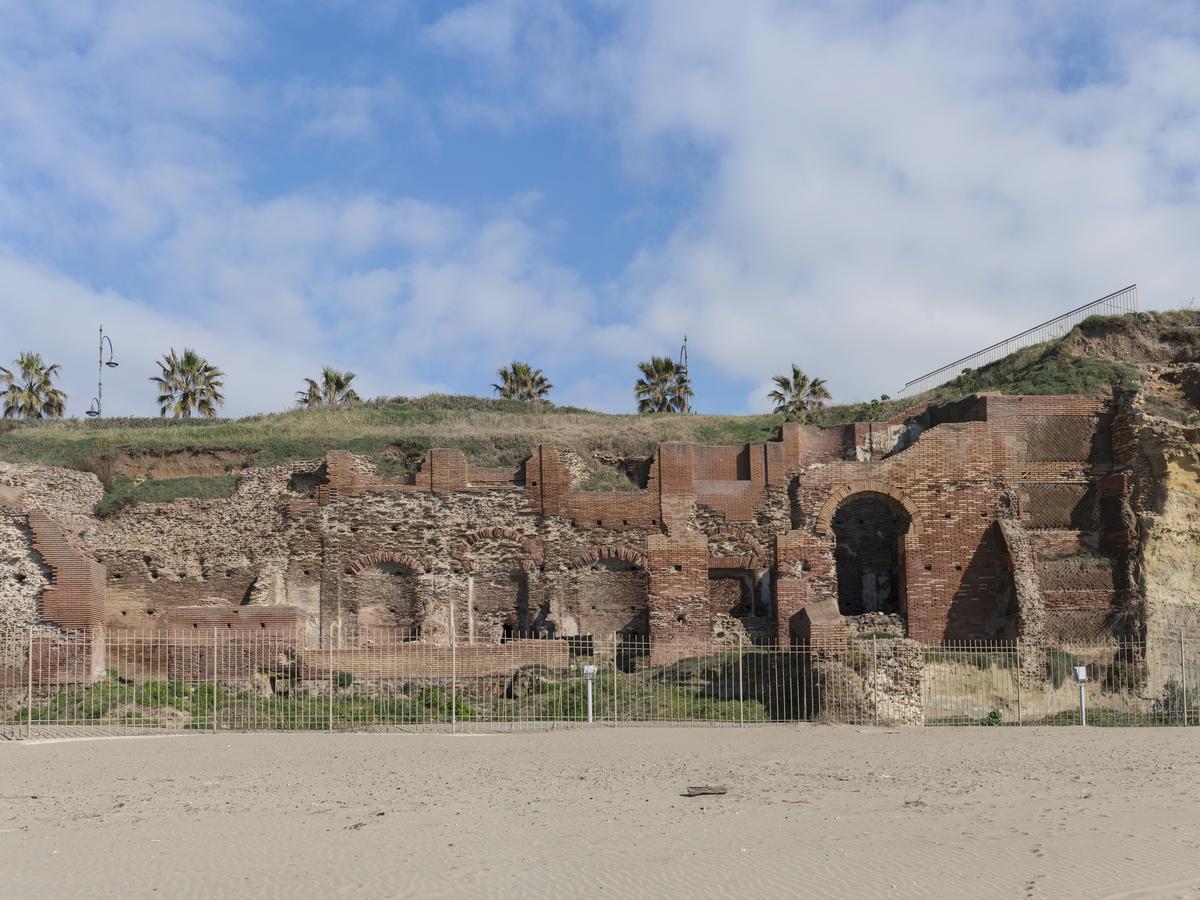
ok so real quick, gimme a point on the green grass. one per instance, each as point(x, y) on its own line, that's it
point(390, 432)
point(121, 492)
point(395, 432)
point(683, 692)
point(158, 703)
point(1106, 718)
point(980, 659)
point(1060, 666)
point(632, 697)
point(1049, 368)
point(993, 718)
point(608, 480)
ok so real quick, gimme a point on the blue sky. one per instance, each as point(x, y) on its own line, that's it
point(422, 192)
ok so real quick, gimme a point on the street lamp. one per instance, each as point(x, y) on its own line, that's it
point(97, 406)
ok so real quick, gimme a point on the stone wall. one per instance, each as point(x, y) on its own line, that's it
point(738, 541)
point(1166, 560)
point(23, 575)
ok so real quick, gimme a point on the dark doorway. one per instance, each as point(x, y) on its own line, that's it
point(869, 530)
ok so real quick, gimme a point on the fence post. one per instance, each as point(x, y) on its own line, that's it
point(29, 690)
point(616, 672)
point(453, 677)
point(329, 709)
point(741, 685)
point(1019, 674)
point(214, 680)
point(1183, 677)
point(875, 674)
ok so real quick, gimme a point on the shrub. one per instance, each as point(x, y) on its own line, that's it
point(606, 479)
point(1176, 702)
point(1060, 666)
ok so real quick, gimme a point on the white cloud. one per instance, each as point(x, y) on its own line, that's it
point(528, 57)
point(874, 194)
point(58, 317)
point(890, 191)
point(269, 288)
point(356, 112)
point(888, 196)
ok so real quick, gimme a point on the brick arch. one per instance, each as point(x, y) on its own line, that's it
point(599, 554)
point(758, 558)
point(411, 563)
point(534, 553)
point(872, 488)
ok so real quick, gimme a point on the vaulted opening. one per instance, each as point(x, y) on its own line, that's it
point(385, 595)
point(869, 530)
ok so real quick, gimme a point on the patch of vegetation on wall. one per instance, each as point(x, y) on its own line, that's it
point(121, 492)
point(605, 479)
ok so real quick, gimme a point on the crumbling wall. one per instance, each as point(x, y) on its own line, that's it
point(735, 541)
point(1168, 560)
point(67, 495)
point(23, 576)
point(878, 681)
point(165, 555)
point(1025, 582)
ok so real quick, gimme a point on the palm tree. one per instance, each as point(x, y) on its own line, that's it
point(663, 387)
point(189, 382)
point(332, 390)
point(520, 381)
point(797, 394)
point(34, 396)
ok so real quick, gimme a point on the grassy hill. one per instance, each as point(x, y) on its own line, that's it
point(159, 459)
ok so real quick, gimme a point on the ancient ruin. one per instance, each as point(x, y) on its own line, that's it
point(992, 518)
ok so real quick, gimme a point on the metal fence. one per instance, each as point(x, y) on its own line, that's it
point(1115, 304)
point(127, 682)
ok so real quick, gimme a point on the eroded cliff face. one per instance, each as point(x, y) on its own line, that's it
point(1168, 561)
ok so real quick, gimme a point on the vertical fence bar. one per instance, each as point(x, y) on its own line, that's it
point(616, 673)
point(1019, 680)
point(453, 678)
point(741, 684)
point(1183, 677)
point(29, 690)
point(214, 681)
point(329, 710)
point(875, 674)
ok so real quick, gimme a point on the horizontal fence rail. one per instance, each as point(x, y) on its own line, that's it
point(1115, 304)
point(204, 680)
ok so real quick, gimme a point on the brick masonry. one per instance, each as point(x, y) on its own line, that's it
point(716, 533)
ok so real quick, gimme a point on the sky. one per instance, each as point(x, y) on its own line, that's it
point(421, 192)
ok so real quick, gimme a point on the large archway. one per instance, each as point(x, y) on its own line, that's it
point(381, 595)
point(871, 532)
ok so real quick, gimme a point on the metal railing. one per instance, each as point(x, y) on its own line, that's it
point(1115, 304)
point(203, 680)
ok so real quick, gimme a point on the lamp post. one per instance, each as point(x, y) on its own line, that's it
point(98, 401)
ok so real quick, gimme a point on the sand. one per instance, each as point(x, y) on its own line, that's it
point(810, 811)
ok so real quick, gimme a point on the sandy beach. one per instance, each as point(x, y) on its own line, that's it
point(809, 811)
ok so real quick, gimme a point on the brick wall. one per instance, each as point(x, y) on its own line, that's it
point(477, 553)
